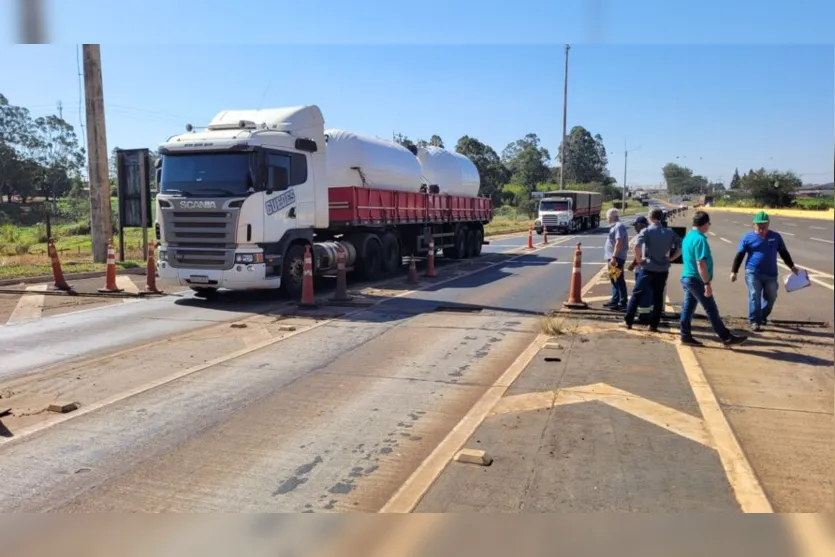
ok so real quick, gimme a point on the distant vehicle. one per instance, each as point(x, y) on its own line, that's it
point(567, 211)
point(242, 201)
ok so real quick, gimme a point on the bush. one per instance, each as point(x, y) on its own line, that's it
point(41, 234)
point(817, 204)
point(22, 249)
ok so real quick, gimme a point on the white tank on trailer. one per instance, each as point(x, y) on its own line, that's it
point(382, 164)
point(453, 173)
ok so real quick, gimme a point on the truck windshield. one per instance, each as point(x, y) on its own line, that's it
point(207, 174)
point(553, 205)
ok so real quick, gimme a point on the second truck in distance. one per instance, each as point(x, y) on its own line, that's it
point(567, 211)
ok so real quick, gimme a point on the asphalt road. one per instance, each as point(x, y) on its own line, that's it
point(811, 304)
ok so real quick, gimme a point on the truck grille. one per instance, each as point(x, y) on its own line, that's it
point(200, 239)
point(550, 220)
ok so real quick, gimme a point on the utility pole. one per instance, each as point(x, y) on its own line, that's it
point(100, 212)
point(60, 110)
point(31, 23)
point(564, 115)
point(625, 159)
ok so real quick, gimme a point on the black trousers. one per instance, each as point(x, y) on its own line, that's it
point(655, 282)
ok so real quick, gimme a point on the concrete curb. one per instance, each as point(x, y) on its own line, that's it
point(69, 277)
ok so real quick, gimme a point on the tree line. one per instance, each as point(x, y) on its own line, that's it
point(769, 188)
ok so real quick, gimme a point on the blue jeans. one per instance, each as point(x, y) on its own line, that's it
point(759, 287)
point(619, 295)
point(694, 294)
point(648, 284)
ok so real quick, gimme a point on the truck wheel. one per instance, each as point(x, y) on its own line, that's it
point(392, 258)
point(479, 237)
point(461, 243)
point(370, 264)
point(203, 292)
point(292, 275)
point(471, 243)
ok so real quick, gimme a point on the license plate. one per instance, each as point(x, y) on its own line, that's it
point(199, 279)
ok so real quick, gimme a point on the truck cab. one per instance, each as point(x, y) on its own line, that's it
point(554, 214)
point(234, 197)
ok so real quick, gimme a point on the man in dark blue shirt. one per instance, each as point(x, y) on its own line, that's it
point(761, 245)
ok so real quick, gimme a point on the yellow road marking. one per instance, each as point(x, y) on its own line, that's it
point(412, 491)
point(29, 306)
point(747, 489)
point(650, 411)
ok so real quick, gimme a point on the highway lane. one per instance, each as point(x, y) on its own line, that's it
point(811, 242)
point(811, 304)
point(335, 418)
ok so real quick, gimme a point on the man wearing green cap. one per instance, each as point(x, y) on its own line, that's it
point(761, 245)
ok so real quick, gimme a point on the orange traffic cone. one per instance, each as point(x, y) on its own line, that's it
point(57, 273)
point(110, 276)
point(308, 299)
point(413, 276)
point(430, 260)
point(530, 237)
point(575, 297)
point(151, 273)
point(341, 294)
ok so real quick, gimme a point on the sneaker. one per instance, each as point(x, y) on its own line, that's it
point(652, 329)
point(756, 328)
point(733, 340)
point(690, 341)
point(627, 324)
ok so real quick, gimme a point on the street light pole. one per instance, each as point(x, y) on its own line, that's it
point(564, 115)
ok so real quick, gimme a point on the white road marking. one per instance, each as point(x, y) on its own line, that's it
point(725, 240)
point(30, 306)
point(822, 240)
point(712, 233)
point(784, 233)
point(789, 224)
point(817, 227)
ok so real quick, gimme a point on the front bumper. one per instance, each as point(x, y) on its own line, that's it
point(239, 277)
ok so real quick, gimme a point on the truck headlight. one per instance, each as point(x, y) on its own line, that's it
point(249, 258)
point(162, 255)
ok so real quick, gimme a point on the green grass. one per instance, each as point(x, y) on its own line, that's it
point(26, 270)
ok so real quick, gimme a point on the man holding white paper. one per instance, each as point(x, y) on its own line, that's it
point(761, 245)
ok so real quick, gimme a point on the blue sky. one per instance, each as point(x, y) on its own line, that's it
point(744, 103)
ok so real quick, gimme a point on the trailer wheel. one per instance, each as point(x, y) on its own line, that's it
point(292, 275)
point(370, 264)
point(479, 237)
point(392, 258)
point(461, 243)
point(470, 243)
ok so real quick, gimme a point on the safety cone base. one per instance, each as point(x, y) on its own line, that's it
point(111, 290)
point(575, 305)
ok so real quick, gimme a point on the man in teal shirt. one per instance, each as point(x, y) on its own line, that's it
point(696, 280)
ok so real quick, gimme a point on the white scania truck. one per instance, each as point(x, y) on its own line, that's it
point(241, 199)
